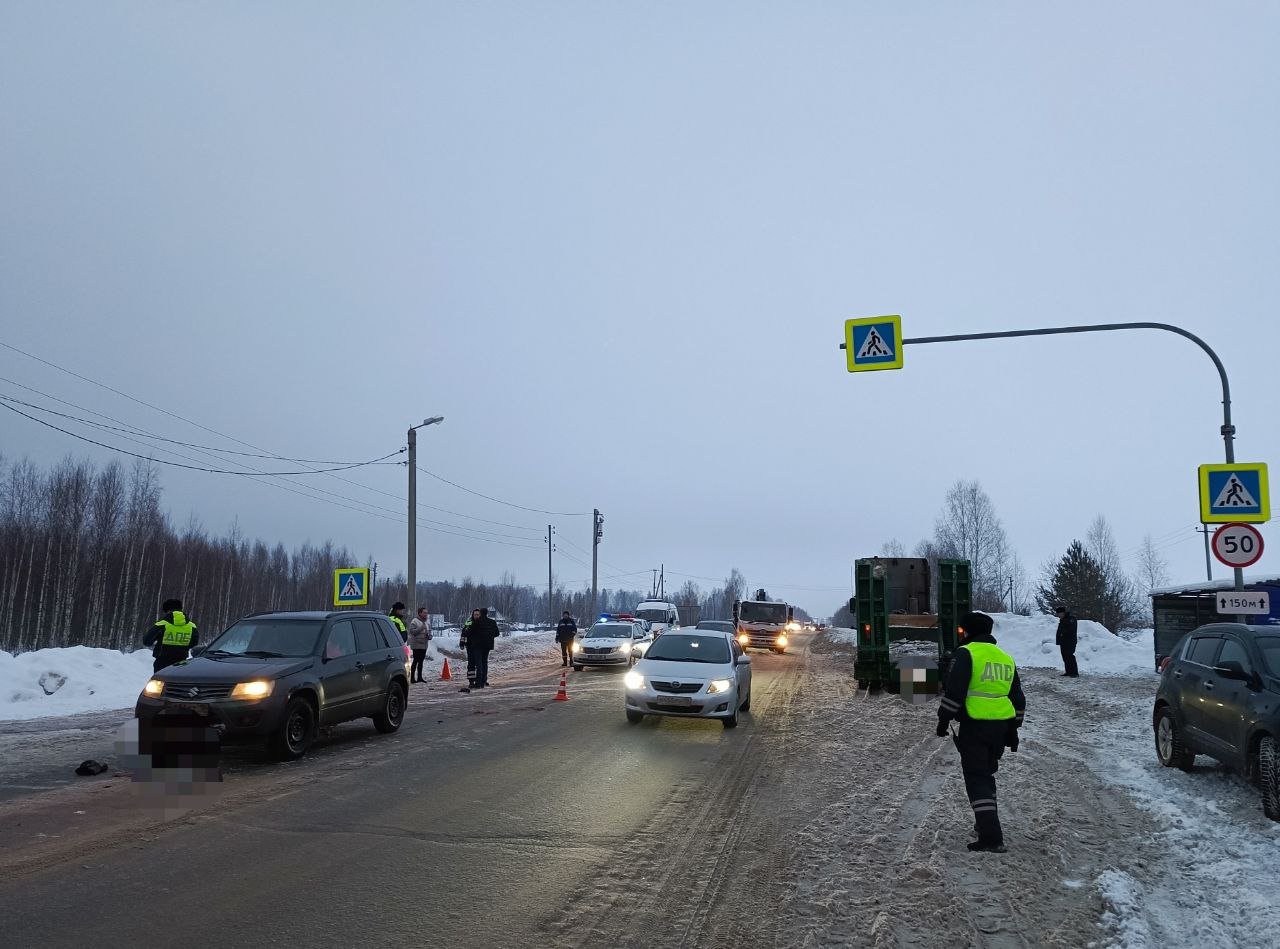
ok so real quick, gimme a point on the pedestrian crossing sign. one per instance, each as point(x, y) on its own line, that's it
point(1234, 493)
point(873, 343)
point(351, 586)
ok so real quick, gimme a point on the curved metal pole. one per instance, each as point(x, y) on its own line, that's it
point(1228, 430)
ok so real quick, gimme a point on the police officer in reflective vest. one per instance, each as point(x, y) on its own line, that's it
point(983, 693)
point(172, 637)
point(396, 616)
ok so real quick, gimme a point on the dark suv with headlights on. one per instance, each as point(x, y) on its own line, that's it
point(1219, 696)
point(277, 677)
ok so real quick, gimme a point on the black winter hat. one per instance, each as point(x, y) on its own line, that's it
point(170, 605)
point(976, 624)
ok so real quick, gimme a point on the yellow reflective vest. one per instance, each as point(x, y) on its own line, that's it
point(989, 683)
point(179, 632)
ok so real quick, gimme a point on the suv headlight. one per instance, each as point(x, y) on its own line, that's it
point(154, 688)
point(634, 680)
point(257, 689)
point(716, 686)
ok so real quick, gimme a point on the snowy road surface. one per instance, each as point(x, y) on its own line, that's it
point(829, 818)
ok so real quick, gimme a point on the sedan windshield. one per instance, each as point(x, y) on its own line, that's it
point(675, 647)
point(720, 625)
point(267, 639)
point(1270, 646)
point(609, 631)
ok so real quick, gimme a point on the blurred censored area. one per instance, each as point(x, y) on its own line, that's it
point(173, 756)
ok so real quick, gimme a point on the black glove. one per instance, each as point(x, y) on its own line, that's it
point(1011, 739)
point(942, 728)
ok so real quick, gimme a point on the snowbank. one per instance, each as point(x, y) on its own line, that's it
point(1029, 639)
point(80, 678)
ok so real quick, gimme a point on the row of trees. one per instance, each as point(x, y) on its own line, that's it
point(1090, 577)
point(87, 556)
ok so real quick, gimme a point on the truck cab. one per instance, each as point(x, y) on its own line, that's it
point(763, 624)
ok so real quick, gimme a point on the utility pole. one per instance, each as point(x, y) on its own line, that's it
point(1208, 561)
point(597, 529)
point(412, 598)
point(551, 607)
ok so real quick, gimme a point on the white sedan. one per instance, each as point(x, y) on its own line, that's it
point(695, 674)
point(610, 643)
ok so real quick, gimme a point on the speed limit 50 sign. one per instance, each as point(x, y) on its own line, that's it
point(1237, 545)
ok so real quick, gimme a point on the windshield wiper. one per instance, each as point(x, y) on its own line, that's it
point(218, 652)
point(263, 654)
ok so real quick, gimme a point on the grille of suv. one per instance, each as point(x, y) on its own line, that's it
point(684, 688)
point(195, 691)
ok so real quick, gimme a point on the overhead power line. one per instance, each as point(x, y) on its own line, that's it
point(521, 507)
point(177, 464)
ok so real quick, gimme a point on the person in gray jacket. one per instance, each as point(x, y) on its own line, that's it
point(419, 639)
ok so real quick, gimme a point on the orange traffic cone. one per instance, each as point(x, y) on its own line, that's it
point(562, 695)
point(445, 674)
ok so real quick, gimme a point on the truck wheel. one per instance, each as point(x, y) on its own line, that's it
point(1169, 745)
point(296, 733)
point(392, 715)
point(1269, 775)
point(635, 718)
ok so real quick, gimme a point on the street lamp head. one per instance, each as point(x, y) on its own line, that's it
point(434, 420)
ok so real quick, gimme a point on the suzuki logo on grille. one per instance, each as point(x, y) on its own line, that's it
point(193, 693)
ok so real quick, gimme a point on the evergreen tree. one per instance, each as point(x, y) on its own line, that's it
point(1079, 583)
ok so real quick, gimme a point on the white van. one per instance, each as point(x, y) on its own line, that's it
point(661, 615)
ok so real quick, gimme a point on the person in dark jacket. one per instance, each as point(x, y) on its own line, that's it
point(1066, 640)
point(396, 616)
point(464, 640)
point(172, 637)
point(984, 694)
point(566, 631)
point(480, 639)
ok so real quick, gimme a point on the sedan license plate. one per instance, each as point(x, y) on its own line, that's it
point(677, 700)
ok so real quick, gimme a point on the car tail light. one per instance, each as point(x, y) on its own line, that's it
point(1164, 663)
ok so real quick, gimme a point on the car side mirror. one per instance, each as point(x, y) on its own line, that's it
point(1231, 670)
point(744, 660)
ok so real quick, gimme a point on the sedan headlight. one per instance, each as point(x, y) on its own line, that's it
point(624, 648)
point(257, 689)
point(634, 680)
point(716, 686)
point(577, 646)
point(154, 688)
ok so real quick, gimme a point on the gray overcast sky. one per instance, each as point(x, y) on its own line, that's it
point(614, 244)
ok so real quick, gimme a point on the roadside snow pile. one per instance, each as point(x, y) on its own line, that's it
point(1029, 639)
point(69, 681)
point(842, 634)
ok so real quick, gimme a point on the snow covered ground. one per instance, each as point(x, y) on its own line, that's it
point(1029, 639)
point(70, 681)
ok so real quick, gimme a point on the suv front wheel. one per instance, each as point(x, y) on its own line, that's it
point(1269, 776)
point(296, 732)
point(1170, 749)
point(392, 715)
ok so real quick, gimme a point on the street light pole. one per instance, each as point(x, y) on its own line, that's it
point(412, 601)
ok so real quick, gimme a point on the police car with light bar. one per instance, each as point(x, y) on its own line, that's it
point(614, 640)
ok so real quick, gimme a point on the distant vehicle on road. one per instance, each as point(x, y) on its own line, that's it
point(695, 674)
point(613, 642)
point(1219, 695)
point(763, 623)
point(277, 677)
point(721, 625)
point(661, 614)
